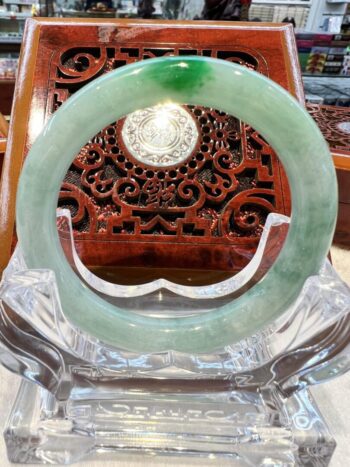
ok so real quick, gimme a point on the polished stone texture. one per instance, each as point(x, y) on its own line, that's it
point(191, 80)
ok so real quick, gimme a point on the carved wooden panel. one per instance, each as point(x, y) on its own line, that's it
point(334, 122)
point(206, 211)
point(221, 193)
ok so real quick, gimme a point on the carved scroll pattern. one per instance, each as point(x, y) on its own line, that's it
point(334, 122)
point(222, 192)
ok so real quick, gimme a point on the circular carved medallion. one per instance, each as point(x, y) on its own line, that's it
point(160, 136)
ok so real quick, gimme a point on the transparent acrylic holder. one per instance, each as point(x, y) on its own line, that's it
point(248, 403)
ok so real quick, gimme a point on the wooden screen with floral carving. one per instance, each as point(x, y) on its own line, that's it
point(206, 211)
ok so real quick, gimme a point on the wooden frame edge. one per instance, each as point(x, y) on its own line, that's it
point(17, 139)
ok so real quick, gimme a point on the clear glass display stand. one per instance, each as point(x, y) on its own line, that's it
point(246, 404)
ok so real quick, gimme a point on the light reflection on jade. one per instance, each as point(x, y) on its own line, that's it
point(190, 80)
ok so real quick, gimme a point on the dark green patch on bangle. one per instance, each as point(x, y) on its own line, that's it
point(189, 74)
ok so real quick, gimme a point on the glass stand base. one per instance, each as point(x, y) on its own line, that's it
point(153, 417)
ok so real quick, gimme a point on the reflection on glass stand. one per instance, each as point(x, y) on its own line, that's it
point(248, 402)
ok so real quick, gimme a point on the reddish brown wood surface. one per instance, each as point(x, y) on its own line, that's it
point(342, 233)
point(7, 88)
point(207, 212)
point(3, 140)
point(2, 152)
point(334, 123)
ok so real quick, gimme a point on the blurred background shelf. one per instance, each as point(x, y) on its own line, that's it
point(324, 55)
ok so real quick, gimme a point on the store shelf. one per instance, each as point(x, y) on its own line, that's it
point(339, 81)
point(68, 13)
point(276, 11)
point(11, 40)
point(283, 3)
point(11, 15)
point(314, 75)
point(16, 2)
point(333, 90)
point(338, 1)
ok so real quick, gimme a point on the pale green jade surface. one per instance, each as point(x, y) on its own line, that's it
point(191, 80)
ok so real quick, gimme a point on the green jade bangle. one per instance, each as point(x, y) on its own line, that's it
point(190, 80)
